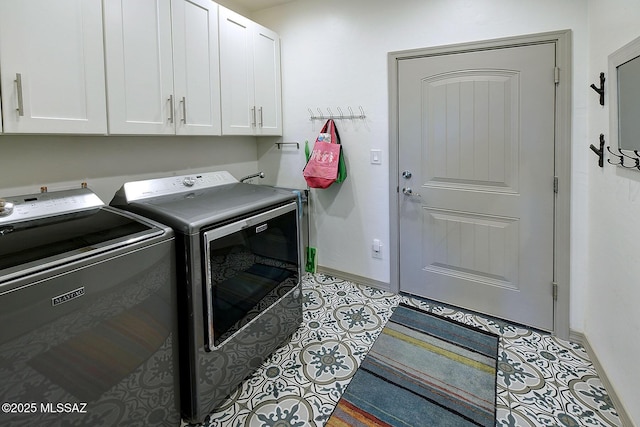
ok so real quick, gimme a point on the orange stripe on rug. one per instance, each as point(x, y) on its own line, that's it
point(355, 413)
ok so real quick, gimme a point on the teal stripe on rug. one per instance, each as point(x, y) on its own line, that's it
point(399, 407)
point(427, 370)
point(432, 376)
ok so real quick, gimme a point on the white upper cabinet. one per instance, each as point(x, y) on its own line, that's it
point(52, 66)
point(250, 77)
point(162, 67)
point(268, 81)
point(196, 66)
point(139, 66)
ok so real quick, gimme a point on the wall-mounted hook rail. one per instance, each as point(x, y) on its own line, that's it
point(621, 155)
point(600, 90)
point(339, 116)
point(600, 152)
point(280, 144)
point(635, 159)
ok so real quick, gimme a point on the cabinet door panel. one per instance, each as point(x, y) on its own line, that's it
point(56, 50)
point(267, 82)
point(196, 67)
point(139, 67)
point(236, 74)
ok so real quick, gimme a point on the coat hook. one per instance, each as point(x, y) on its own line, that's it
point(626, 155)
point(600, 90)
point(339, 116)
point(635, 159)
point(599, 152)
point(620, 158)
point(636, 166)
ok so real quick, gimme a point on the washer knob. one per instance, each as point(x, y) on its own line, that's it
point(6, 207)
point(189, 182)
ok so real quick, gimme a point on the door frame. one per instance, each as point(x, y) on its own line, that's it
point(562, 166)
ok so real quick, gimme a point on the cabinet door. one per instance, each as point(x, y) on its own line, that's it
point(268, 95)
point(196, 67)
point(52, 66)
point(139, 67)
point(236, 74)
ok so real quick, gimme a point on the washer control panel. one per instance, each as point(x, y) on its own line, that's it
point(40, 205)
point(139, 190)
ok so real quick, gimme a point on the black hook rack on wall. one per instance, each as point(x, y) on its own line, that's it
point(600, 152)
point(600, 89)
point(621, 155)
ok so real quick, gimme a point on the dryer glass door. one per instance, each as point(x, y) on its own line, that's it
point(252, 264)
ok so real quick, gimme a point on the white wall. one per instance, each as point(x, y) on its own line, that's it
point(334, 54)
point(106, 162)
point(612, 317)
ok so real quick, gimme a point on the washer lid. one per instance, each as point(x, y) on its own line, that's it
point(35, 240)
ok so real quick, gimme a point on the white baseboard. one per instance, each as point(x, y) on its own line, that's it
point(355, 278)
point(580, 338)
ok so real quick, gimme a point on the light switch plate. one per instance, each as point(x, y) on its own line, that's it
point(376, 157)
point(376, 248)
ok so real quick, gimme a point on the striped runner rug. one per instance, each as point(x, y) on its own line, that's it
point(423, 370)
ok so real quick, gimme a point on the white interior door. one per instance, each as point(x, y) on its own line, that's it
point(476, 139)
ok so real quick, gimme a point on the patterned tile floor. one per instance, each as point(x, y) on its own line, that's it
point(542, 380)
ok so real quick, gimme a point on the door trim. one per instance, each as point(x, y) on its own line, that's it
point(562, 214)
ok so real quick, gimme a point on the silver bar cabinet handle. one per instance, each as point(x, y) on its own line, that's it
point(20, 108)
point(184, 110)
point(253, 114)
point(170, 108)
point(260, 113)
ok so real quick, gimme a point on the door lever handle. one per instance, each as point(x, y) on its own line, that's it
point(407, 191)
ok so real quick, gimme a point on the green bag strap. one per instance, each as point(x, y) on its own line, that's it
point(342, 169)
point(342, 166)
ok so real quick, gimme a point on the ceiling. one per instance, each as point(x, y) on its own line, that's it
point(254, 5)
